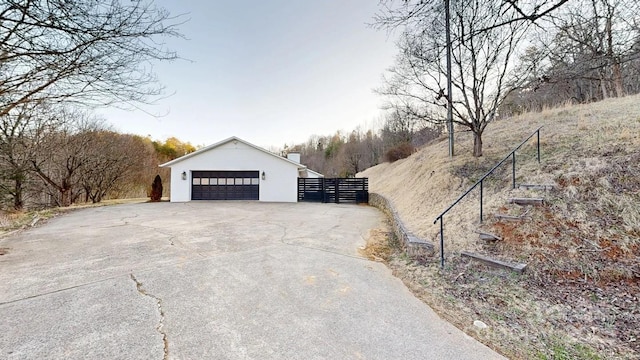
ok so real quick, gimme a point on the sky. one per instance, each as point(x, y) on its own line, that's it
point(270, 72)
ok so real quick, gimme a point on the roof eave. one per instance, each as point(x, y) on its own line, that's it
point(219, 143)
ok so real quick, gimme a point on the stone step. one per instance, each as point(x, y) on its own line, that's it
point(419, 248)
point(536, 186)
point(516, 267)
point(526, 201)
point(489, 237)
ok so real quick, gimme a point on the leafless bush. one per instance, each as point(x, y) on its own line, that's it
point(401, 151)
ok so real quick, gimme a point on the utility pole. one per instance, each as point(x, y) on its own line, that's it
point(449, 90)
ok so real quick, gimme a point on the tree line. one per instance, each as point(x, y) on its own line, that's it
point(591, 53)
point(344, 154)
point(58, 60)
point(507, 57)
point(67, 155)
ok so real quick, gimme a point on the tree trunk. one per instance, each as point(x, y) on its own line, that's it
point(617, 79)
point(603, 87)
point(65, 197)
point(18, 203)
point(477, 144)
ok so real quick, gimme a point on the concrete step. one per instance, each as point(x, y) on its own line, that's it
point(516, 267)
point(526, 201)
point(489, 237)
point(536, 186)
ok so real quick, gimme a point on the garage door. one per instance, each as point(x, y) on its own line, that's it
point(225, 185)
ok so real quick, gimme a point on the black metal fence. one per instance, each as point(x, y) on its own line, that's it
point(333, 190)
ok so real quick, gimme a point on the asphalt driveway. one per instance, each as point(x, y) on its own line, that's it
point(212, 280)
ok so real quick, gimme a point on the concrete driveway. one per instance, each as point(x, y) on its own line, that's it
point(212, 280)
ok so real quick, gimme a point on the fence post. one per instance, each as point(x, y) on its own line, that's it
point(538, 144)
point(441, 243)
point(481, 181)
point(513, 169)
point(337, 190)
point(324, 191)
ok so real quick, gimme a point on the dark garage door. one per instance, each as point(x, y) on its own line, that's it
point(225, 185)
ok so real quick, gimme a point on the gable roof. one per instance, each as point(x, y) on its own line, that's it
point(225, 141)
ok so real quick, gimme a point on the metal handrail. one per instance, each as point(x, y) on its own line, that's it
point(512, 154)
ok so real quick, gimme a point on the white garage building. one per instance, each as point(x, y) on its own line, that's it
point(234, 169)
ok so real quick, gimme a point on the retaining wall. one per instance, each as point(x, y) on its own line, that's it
point(413, 245)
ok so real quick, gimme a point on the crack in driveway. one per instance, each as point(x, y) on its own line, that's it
point(125, 219)
point(160, 327)
point(287, 241)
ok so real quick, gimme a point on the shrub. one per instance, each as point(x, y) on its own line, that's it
point(156, 189)
point(399, 151)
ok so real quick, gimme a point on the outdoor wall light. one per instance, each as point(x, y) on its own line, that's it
point(264, 176)
point(184, 175)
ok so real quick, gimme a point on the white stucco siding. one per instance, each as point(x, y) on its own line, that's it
point(306, 173)
point(313, 174)
point(280, 184)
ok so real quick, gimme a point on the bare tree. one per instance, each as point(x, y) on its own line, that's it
point(373, 149)
point(484, 43)
point(411, 12)
point(587, 52)
point(312, 153)
point(399, 127)
point(354, 154)
point(91, 52)
point(64, 152)
point(136, 183)
point(593, 39)
point(20, 133)
point(342, 155)
point(111, 161)
point(87, 51)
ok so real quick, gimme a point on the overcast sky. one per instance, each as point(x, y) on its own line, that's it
point(270, 72)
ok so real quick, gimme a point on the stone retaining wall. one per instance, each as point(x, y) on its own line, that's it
point(414, 246)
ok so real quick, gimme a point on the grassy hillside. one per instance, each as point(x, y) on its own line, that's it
point(579, 296)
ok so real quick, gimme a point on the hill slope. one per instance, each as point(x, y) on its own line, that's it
point(580, 293)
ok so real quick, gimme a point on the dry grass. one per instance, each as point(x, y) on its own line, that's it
point(579, 297)
point(574, 140)
point(377, 247)
point(13, 220)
